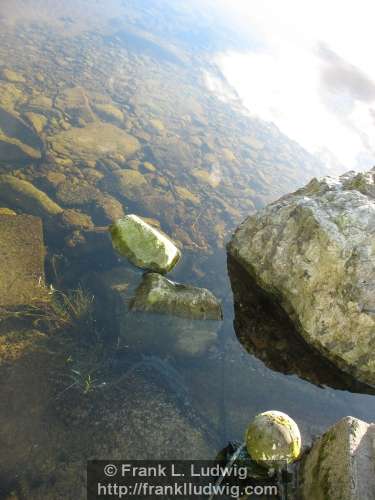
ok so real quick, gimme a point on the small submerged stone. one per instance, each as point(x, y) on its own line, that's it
point(144, 245)
point(75, 219)
point(37, 120)
point(11, 76)
point(18, 142)
point(23, 195)
point(159, 295)
point(109, 113)
point(273, 437)
point(93, 141)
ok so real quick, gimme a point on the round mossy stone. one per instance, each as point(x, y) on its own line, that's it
point(144, 245)
point(273, 439)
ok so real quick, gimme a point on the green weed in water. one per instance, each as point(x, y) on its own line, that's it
point(72, 310)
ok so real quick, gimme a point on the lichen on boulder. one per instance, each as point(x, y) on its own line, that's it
point(313, 252)
point(144, 245)
point(340, 464)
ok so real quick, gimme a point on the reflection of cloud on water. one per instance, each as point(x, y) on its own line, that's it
point(219, 87)
point(308, 76)
point(272, 88)
point(215, 175)
point(349, 94)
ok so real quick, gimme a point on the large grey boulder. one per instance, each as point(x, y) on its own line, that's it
point(312, 251)
point(341, 464)
point(144, 245)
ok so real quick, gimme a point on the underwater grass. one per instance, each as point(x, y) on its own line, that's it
point(57, 310)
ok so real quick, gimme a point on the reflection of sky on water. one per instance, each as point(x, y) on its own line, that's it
point(313, 76)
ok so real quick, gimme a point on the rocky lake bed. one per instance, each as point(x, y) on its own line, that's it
point(126, 330)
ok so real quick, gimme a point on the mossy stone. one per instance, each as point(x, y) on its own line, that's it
point(144, 245)
point(273, 439)
point(160, 295)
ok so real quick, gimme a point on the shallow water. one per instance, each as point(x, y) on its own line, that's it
point(121, 121)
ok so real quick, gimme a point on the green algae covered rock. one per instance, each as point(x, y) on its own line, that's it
point(144, 245)
point(273, 437)
point(23, 195)
point(159, 295)
point(313, 253)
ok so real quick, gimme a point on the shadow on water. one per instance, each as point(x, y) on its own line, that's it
point(265, 330)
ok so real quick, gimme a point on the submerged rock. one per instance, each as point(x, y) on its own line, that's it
point(38, 121)
point(11, 76)
point(11, 96)
point(107, 209)
point(159, 295)
point(73, 219)
point(18, 142)
point(144, 245)
point(313, 252)
point(22, 260)
point(130, 184)
point(167, 335)
point(22, 194)
point(147, 332)
point(340, 465)
point(109, 112)
point(73, 193)
point(75, 103)
point(94, 141)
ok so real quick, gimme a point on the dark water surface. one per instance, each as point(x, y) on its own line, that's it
point(105, 109)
